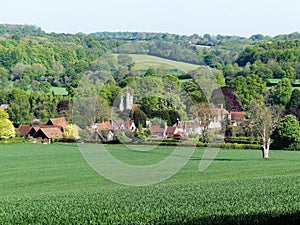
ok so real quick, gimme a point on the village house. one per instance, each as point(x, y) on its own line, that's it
point(47, 133)
point(236, 118)
point(59, 122)
point(107, 130)
point(213, 117)
point(157, 131)
point(24, 130)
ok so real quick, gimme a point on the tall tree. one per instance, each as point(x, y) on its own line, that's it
point(139, 118)
point(282, 92)
point(263, 120)
point(249, 88)
point(294, 100)
point(19, 107)
point(7, 129)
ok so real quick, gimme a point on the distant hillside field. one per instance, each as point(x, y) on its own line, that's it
point(143, 62)
point(59, 91)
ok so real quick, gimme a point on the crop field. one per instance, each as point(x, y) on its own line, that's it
point(53, 184)
point(143, 62)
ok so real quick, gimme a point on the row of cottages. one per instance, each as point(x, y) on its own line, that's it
point(213, 118)
point(210, 118)
point(107, 130)
point(53, 128)
point(176, 131)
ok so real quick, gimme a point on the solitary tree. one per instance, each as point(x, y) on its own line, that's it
point(7, 129)
point(263, 120)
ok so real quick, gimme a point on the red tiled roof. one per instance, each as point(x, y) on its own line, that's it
point(104, 126)
point(119, 123)
point(170, 130)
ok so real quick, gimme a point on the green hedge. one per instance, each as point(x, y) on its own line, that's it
point(229, 145)
point(242, 140)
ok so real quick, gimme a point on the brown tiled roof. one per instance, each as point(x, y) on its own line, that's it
point(157, 129)
point(35, 129)
point(237, 115)
point(24, 129)
point(58, 122)
point(49, 132)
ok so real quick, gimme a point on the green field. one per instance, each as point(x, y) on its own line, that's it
point(59, 91)
point(143, 62)
point(52, 184)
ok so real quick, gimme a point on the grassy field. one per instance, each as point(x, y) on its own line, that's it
point(143, 62)
point(59, 91)
point(52, 184)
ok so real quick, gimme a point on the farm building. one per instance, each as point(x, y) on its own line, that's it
point(47, 133)
point(59, 122)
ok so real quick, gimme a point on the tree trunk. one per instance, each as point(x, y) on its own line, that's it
point(266, 147)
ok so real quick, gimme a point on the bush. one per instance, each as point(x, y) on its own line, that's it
point(16, 140)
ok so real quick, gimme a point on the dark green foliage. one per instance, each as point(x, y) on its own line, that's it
point(249, 88)
point(282, 92)
point(294, 100)
point(139, 118)
point(151, 72)
point(287, 133)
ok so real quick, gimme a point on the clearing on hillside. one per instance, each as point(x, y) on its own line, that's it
point(143, 62)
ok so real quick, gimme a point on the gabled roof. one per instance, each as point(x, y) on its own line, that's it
point(171, 130)
point(237, 115)
point(24, 129)
point(62, 122)
point(117, 124)
point(49, 132)
point(35, 129)
point(157, 129)
point(104, 126)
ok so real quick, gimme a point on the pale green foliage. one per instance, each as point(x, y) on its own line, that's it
point(7, 129)
point(71, 130)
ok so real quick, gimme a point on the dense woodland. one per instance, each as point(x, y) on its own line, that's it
point(261, 68)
